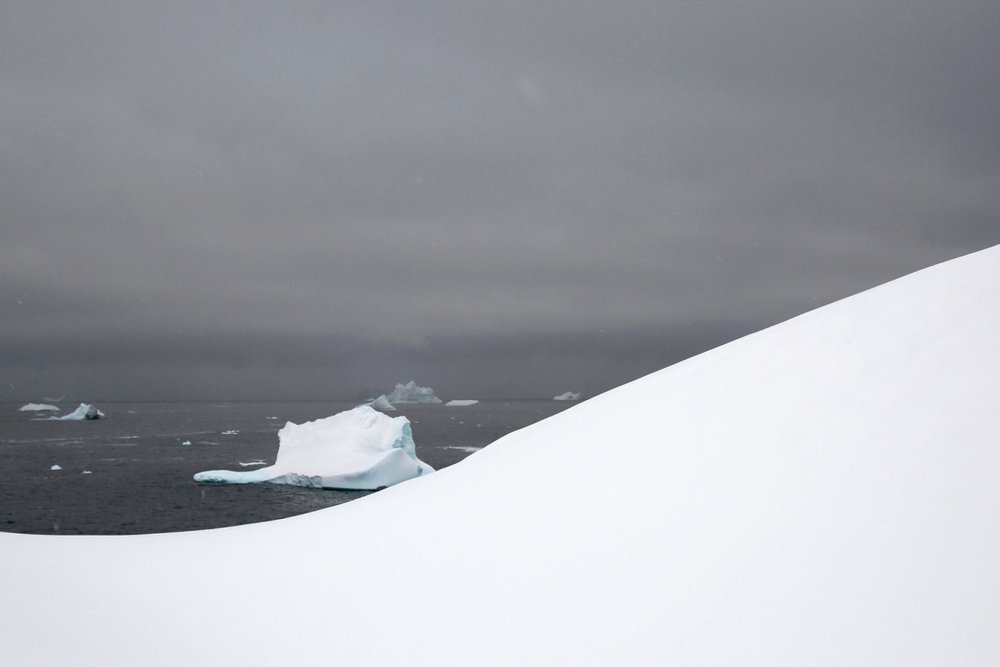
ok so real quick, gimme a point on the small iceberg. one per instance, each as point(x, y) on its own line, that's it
point(84, 412)
point(56, 467)
point(461, 402)
point(382, 403)
point(360, 449)
point(411, 393)
point(231, 431)
point(38, 407)
point(568, 396)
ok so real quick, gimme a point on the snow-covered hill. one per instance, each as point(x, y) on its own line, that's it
point(822, 492)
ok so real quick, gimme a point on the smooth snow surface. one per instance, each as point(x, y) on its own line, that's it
point(461, 402)
point(823, 492)
point(85, 411)
point(382, 403)
point(568, 396)
point(356, 449)
point(38, 407)
point(411, 393)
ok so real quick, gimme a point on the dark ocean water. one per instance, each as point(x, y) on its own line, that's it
point(139, 478)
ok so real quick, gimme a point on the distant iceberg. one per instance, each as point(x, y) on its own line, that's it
point(411, 393)
point(85, 411)
point(38, 407)
point(461, 402)
point(568, 396)
point(357, 449)
point(382, 403)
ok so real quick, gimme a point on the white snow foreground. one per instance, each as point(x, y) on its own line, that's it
point(568, 396)
point(411, 393)
point(822, 492)
point(356, 449)
point(85, 411)
point(38, 407)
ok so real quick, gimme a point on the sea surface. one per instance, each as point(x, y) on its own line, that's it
point(138, 475)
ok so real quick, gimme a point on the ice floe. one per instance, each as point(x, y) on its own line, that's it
point(382, 403)
point(84, 412)
point(38, 407)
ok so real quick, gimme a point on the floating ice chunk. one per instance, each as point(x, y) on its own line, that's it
point(56, 467)
point(247, 464)
point(568, 396)
point(38, 407)
point(186, 442)
point(230, 432)
point(382, 403)
point(461, 402)
point(356, 449)
point(464, 449)
point(411, 393)
point(86, 472)
point(85, 411)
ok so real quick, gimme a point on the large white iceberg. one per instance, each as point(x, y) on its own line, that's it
point(356, 449)
point(411, 393)
point(822, 492)
point(382, 403)
point(568, 396)
point(38, 407)
point(85, 411)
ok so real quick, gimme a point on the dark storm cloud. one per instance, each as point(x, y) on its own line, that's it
point(305, 198)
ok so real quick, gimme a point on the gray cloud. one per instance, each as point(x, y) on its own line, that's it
point(317, 197)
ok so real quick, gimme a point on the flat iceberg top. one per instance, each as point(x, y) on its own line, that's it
point(411, 393)
point(356, 449)
point(38, 407)
point(822, 492)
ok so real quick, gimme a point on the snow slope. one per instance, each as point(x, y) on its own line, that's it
point(355, 449)
point(822, 492)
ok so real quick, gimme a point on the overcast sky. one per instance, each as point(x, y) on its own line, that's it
point(498, 199)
